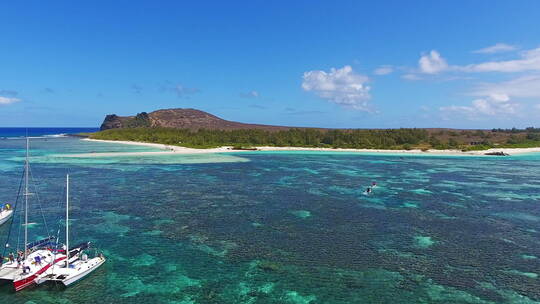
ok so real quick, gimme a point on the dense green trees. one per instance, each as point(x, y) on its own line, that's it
point(376, 139)
point(354, 138)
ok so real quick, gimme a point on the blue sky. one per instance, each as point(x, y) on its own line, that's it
point(355, 64)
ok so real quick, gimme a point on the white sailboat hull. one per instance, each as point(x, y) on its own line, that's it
point(93, 265)
point(67, 276)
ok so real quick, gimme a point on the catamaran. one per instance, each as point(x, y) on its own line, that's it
point(5, 213)
point(24, 266)
point(78, 265)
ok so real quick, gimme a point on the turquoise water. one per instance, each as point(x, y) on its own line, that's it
point(288, 227)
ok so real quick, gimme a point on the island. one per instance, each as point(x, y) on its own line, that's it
point(194, 129)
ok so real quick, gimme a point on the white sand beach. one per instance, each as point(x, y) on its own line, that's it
point(168, 149)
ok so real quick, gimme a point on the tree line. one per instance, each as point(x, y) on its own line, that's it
point(203, 138)
point(336, 138)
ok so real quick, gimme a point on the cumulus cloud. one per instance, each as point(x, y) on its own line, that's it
point(8, 100)
point(432, 63)
point(525, 87)
point(492, 105)
point(383, 70)
point(497, 48)
point(529, 61)
point(522, 87)
point(500, 98)
point(340, 86)
point(250, 94)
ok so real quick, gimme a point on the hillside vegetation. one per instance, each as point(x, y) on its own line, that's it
point(357, 138)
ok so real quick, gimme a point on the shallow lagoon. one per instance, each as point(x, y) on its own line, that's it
point(277, 227)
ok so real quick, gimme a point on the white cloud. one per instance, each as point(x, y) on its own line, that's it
point(432, 63)
point(524, 87)
point(250, 94)
point(493, 105)
point(529, 61)
point(499, 99)
point(341, 86)
point(383, 70)
point(497, 48)
point(496, 99)
point(537, 106)
point(8, 100)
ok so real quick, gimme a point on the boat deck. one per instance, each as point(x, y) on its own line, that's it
point(54, 277)
point(9, 273)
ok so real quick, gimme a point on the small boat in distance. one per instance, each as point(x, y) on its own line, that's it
point(5, 213)
point(77, 265)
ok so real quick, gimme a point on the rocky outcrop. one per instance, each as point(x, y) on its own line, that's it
point(113, 121)
point(497, 153)
point(180, 119)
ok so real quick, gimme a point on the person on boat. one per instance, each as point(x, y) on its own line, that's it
point(368, 190)
point(373, 184)
point(11, 257)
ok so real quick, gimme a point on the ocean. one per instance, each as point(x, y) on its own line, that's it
point(21, 132)
point(284, 227)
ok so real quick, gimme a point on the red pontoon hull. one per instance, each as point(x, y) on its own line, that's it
point(28, 281)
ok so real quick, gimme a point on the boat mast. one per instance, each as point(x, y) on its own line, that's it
point(26, 169)
point(67, 220)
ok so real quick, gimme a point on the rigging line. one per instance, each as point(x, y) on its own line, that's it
point(19, 232)
point(62, 194)
point(56, 250)
point(20, 225)
point(14, 213)
point(39, 202)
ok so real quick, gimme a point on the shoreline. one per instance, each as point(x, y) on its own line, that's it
point(168, 149)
